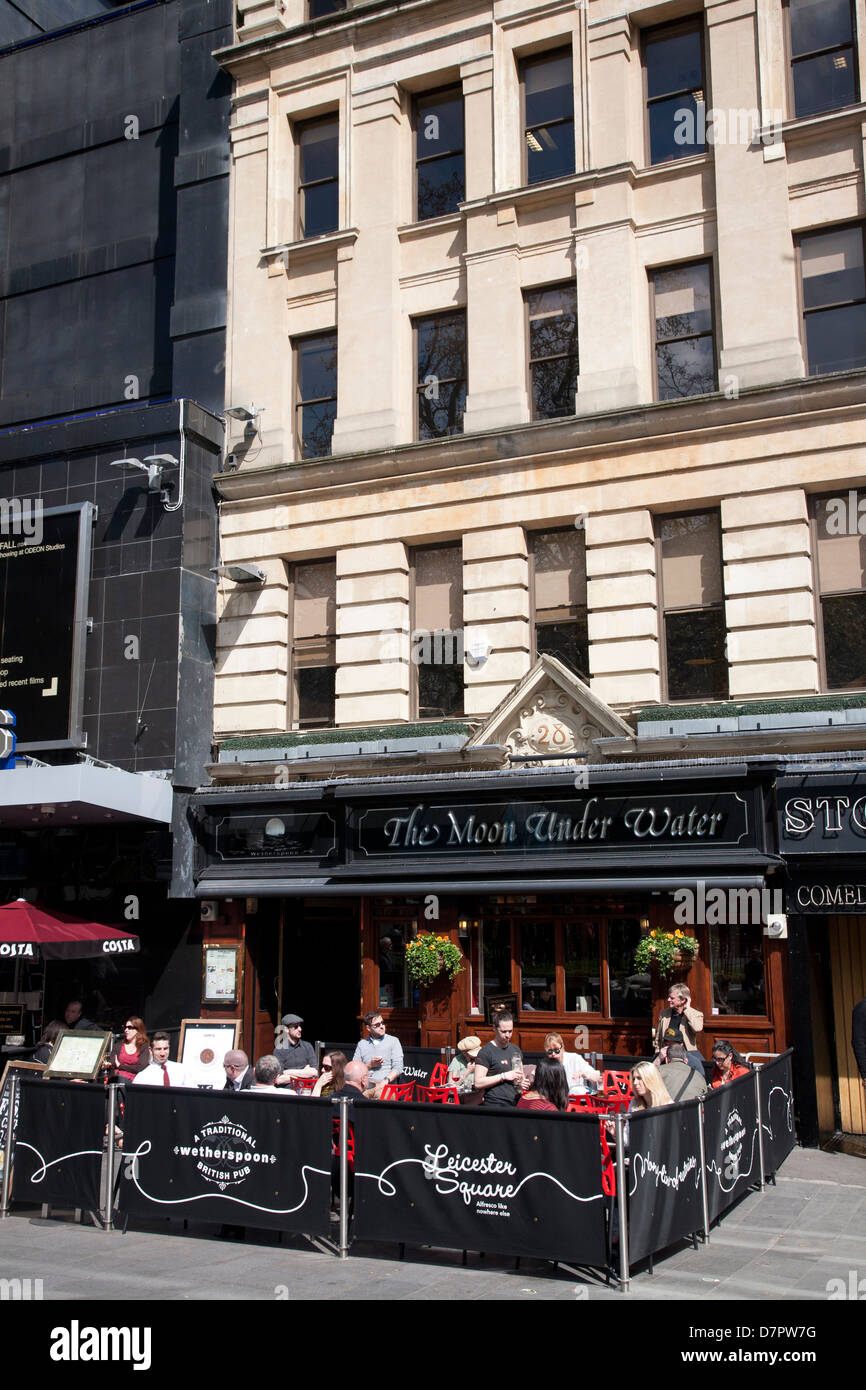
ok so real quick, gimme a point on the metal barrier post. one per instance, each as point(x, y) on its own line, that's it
point(761, 1183)
point(344, 1177)
point(108, 1214)
point(622, 1203)
point(8, 1147)
point(705, 1204)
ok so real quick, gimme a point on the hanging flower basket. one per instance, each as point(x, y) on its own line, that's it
point(428, 955)
point(666, 950)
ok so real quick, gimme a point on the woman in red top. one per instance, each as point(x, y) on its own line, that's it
point(549, 1088)
point(133, 1054)
point(727, 1064)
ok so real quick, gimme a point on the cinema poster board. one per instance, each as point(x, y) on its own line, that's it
point(204, 1043)
point(77, 1056)
point(26, 1069)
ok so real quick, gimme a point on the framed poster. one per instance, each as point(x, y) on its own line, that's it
point(5, 1098)
point(220, 973)
point(204, 1043)
point(499, 1003)
point(77, 1056)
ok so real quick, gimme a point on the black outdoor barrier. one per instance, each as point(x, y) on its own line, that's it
point(519, 1183)
point(248, 1159)
point(664, 1177)
point(777, 1111)
point(418, 1064)
point(59, 1144)
point(730, 1142)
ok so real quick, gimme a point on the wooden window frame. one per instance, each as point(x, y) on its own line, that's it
point(790, 60)
point(293, 701)
point(570, 285)
point(450, 89)
point(425, 318)
point(298, 128)
point(652, 272)
point(560, 50)
point(658, 518)
point(298, 402)
point(414, 701)
point(689, 24)
point(799, 238)
point(533, 607)
point(813, 500)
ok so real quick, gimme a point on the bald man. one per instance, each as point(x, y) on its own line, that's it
point(239, 1073)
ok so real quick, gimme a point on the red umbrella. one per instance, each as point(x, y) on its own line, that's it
point(28, 931)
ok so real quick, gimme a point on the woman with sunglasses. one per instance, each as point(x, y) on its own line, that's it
point(332, 1076)
point(132, 1054)
point(580, 1076)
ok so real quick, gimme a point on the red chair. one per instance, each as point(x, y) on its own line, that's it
point(350, 1143)
point(439, 1095)
point(439, 1075)
point(302, 1085)
point(617, 1083)
point(580, 1105)
point(397, 1090)
point(608, 1166)
point(613, 1104)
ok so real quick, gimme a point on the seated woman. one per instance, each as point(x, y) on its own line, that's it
point(679, 1022)
point(548, 1089)
point(648, 1087)
point(580, 1076)
point(45, 1045)
point(331, 1077)
point(132, 1055)
point(461, 1071)
point(727, 1064)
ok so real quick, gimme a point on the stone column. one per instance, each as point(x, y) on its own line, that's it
point(769, 598)
point(495, 322)
point(252, 659)
point(622, 602)
point(495, 609)
point(373, 665)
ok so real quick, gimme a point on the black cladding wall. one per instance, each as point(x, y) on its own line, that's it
point(114, 212)
point(148, 686)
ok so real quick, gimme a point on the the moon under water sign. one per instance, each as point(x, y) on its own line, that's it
point(224, 1153)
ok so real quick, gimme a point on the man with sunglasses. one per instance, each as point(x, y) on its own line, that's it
point(380, 1053)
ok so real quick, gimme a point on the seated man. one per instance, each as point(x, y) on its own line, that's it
point(268, 1070)
point(297, 1058)
point(380, 1053)
point(161, 1071)
point(682, 1081)
point(239, 1073)
point(355, 1084)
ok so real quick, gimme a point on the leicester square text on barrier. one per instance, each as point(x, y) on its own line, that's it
point(59, 1144)
point(248, 1159)
point(524, 1183)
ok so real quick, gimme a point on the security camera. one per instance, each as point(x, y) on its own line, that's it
point(241, 573)
point(777, 926)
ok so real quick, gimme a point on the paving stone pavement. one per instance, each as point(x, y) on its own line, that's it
point(787, 1243)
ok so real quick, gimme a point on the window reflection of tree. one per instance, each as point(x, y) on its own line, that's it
point(441, 375)
point(677, 376)
point(438, 196)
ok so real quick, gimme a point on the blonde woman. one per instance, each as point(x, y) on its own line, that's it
point(581, 1077)
point(649, 1088)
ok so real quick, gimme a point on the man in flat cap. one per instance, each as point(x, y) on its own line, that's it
point(297, 1058)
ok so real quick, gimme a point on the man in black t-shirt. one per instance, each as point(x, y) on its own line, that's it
point(499, 1066)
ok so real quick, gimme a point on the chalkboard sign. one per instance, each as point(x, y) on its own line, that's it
point(5, 1098)
point(11, 1018)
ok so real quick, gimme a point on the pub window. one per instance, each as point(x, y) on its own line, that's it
point(690, 563)
point(840, 558)
point(440, 355)
point(548, 115)
point(395, 924)
point(553, 363)
point(440, 165)
point(558, 567)
point(315, 394)
point(560, 962)
point(675, 90)
point(823, 57)
point(437, 631)
point(737, 969)
point(318, 144)
point(685, 355)
point(834, 299)
point(314, 626)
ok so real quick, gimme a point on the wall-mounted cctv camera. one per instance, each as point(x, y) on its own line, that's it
point(777, 926)
point(208, 910)
point(241, 573)
point(477, 649)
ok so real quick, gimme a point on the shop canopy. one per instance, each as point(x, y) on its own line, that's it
point(28, 932)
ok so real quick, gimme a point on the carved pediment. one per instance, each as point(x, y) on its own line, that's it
point(551, 711)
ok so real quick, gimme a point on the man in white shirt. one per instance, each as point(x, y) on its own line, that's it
point(239, 1073)
point(161, 1071)
point(268, 1068)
